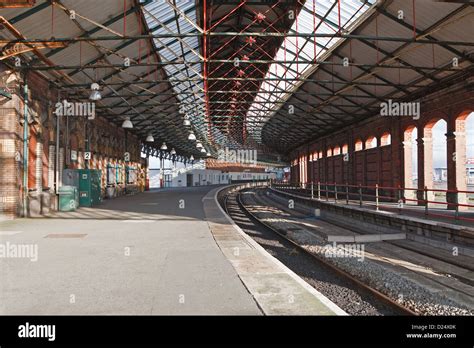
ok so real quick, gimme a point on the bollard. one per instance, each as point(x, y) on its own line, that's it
point(319, 191)
point(312, 190)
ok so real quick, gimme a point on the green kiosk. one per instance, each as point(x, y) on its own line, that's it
point(89, 187)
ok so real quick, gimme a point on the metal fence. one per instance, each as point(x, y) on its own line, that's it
point(399, 199)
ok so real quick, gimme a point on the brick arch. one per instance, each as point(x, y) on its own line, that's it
point(456, 144)
point(463, 110)
point(359, 144)
point(464, 114)
point(409, 128)
point(426, 152)
point(432, 119)
point(385, 138)
point(371, 138)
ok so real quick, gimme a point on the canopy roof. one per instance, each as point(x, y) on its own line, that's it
point(390, 58)
point(269, 75)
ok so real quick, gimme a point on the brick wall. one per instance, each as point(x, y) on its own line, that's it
point(383, 165)
point(106, 141)
point(10, 144)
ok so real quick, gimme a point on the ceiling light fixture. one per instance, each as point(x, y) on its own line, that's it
point(127, 124)
point(95, 94)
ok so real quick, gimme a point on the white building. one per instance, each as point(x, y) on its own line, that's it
point(185, 177)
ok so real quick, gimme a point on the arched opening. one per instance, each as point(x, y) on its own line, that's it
point(461, 163)
point(311, 167)
point(303, 169)
point(336, 151)
point(469, 164)
point(358, 145)
point(440, 171)
point(329, 152)
point(315, 166)
point(370, 143)
point(470, 151)
point(435, 160)
point(345, 148)
point(410, 159)
point(385, 139)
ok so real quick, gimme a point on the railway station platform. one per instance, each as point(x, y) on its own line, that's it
point(236, 158)
point(439, 229)
point(167, 252)
point(434, 211)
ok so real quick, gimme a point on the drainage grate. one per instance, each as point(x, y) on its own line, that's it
point(66, 235)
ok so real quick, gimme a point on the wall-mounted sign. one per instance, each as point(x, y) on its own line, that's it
point(73, 155)
point(126, 156)
point(87, 155)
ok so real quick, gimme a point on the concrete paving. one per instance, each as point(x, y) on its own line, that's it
point(172, 251)
point(151, 253)
point(277, 290)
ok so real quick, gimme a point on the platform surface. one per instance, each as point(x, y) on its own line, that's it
point(150, 253)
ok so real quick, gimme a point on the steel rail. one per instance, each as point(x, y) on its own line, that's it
point(379, 295)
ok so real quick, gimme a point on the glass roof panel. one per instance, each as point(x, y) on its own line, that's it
point(162, 18)
point(325, 21)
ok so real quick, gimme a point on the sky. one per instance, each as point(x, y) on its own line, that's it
point(439, 142)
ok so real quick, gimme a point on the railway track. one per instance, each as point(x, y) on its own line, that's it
point(410, 305)
point(432, 254)
point(352, 295)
